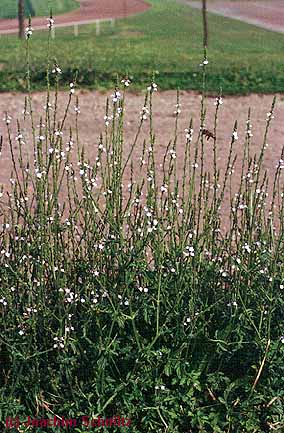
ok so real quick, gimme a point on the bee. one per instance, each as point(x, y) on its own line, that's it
point(208, 134)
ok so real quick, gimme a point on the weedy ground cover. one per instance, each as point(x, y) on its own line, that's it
point(120, 294)
point(167, 38)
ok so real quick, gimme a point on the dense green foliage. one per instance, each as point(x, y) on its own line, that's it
point(167, 38)
point(121, 295)
point(9, 8)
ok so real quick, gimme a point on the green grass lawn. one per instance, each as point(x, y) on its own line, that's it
point(36, 7)
point(167, 38)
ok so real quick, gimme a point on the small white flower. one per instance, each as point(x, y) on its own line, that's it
point(204, 63)
point(235, 135)
point(187, 321)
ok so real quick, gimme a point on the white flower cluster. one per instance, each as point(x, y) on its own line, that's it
point(29, 311)
point(235, 136)
point(50, 22)
point(116, 96)
point(189, 251)
point(3, 301)
point(161, 387)
point(70, 297)
point(178, 109)
point(107, 119)
point(59, 343)
point(218, 101)
point(144, 113)
point(7, 119)
point(152, 88)
point(143, 289)
point(56, 69)
point(188, 134)
point(29, 31)
point(126, 82)
point(204, 63)
point(72, 88)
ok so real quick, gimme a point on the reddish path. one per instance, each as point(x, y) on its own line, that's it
point(89, 11)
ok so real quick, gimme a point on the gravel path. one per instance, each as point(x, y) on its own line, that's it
point(266, 14)
point(89, 12)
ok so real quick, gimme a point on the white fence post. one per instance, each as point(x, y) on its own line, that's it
point(76, 30)
point(98, 28)
point(112, 23)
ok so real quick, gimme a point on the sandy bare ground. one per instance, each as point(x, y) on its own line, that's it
point(92, 112)
point(89, 11)
point(266, 14)
point(91, 124)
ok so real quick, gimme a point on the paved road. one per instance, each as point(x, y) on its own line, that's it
point(268, 15)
